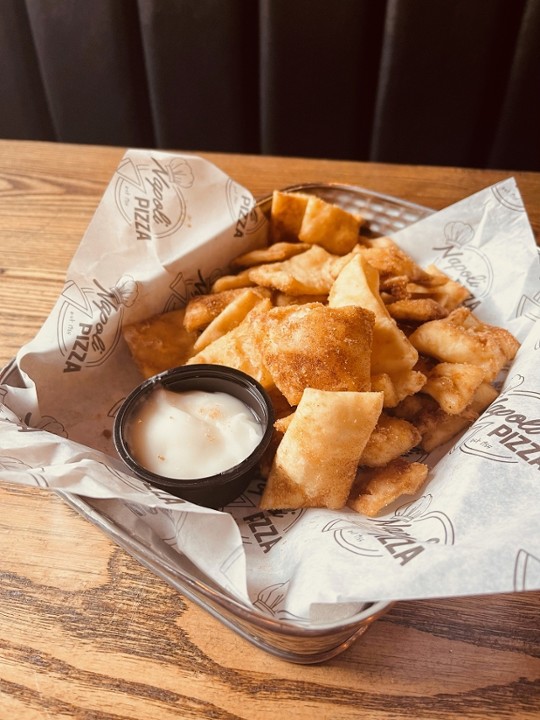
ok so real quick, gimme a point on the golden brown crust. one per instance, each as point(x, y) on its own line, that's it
point(317, 346)
point(273, 253)
point(329, 226)
point(202, 309)
point(391, 438)
point(159, 343)
point(286, 214)
point(231, 316)
point(416, 310)
point(358, 284)
point(453, 385)
point(391, 260)
point(376, 488)
point(240, 348)
point(310, 273)
point(462, 338)
point(316, 461)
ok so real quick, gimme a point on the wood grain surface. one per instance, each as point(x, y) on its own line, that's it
point(87, 632)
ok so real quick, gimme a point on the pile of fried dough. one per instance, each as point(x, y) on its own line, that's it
point(364, 354)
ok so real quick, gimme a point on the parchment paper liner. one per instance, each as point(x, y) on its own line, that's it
point(473, 529)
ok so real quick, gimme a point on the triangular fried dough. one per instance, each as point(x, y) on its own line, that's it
point(231, 316)
point(358, 284)
point(202, 309)
point(240, 348)
point(329, 226)
point(310, 273)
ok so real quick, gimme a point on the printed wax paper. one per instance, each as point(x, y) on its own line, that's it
point(164, 230)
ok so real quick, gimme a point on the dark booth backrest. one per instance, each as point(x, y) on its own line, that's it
point(443, 82)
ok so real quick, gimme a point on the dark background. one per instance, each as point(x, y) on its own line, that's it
point(437, 82)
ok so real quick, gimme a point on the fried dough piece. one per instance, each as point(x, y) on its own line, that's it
point(230, 282)
point(358, 284)
point(202, 309)
point(282, 424)
point(231, 316)
point(159, 343)
point(329, 226)
point(273, 253)
point(391, 438)
point(320, 347)
point(436, 426)
point(416, 310)
point(376, 488)
point(398, 386)
point(389, 259)
point(412, 407)
point(281, 299)
point(310, 273)
point(316, 461)
point(462, 338)
point(240, 348)
point(395, 288)
point(286, 214)
point(443, 293)
point(450, 293)
point(453, 385)
point(440, 427)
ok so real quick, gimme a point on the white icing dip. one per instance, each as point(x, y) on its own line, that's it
point(192, 434)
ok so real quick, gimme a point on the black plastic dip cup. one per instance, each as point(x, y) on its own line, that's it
point(214, 491)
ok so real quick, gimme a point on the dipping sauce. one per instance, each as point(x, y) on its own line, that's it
point(192, 434)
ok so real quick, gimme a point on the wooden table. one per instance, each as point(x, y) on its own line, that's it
point(86, 632)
